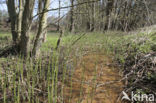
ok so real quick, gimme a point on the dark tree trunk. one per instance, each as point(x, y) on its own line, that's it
point(92, 23)
point(26, 26)
point(13, 18)
point(71, 27)
point(109, 8)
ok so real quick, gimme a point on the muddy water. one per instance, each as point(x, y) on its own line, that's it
point(93, 81)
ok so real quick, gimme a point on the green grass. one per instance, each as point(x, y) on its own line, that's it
point(29, 80)
point(110, 42)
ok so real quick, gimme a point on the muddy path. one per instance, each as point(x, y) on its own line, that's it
point(93, 81)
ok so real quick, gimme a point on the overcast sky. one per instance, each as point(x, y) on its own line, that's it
point(53, 4)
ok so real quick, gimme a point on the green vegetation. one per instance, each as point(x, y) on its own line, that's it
point(77, 51)
point(34, 80)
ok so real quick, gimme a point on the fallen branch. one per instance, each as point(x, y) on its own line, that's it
point(78, 39)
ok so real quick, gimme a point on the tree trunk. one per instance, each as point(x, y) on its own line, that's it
point(71, 28)
point(19, 20)
point(92, 18)
point(40, 9)
point(13, 18)
point(26, 25)
point(45, 23)
point(59, 16)
point(109, 8)
point(41, 30)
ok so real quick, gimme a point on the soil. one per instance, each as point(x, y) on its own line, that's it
point(93, 81)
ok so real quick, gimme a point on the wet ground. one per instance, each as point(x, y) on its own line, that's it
point(94, 81)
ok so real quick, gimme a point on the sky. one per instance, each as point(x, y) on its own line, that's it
point(53, 4)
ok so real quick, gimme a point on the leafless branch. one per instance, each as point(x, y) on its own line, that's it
point(65, 7)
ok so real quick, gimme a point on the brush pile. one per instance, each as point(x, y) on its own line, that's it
point(140, 71)
point(138, 58)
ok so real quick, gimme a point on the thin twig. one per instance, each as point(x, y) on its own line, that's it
point(65, 7)
point(78, 39)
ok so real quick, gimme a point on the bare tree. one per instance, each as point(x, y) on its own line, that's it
point(109, 8)
point(41, 29)
point(26, 26)
point(59, 15)
point(13, 18)
point(71, 28)
point(92, 17)
point(19, 19)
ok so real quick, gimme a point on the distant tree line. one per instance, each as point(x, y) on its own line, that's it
point(104, 15)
